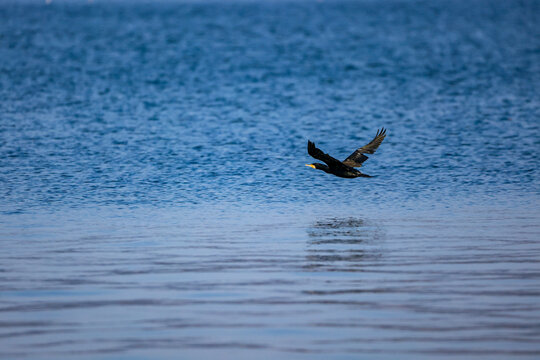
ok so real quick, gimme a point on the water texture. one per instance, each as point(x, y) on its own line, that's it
point(154, 201)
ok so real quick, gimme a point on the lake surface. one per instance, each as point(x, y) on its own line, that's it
point(154, 201)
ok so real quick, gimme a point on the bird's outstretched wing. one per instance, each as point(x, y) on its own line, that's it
point(357, 158)
point(320, 155)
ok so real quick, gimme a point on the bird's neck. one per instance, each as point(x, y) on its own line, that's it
point(324, 168)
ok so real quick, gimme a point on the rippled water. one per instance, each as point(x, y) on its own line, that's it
point(154, 201)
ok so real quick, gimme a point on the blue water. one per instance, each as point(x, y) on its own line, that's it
point(154, 201)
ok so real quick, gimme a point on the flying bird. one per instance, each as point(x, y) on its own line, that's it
point(345, 168)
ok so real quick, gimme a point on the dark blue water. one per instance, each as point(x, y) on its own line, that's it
point(154, 201)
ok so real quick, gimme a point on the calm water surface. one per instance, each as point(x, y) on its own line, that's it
point(154, 201)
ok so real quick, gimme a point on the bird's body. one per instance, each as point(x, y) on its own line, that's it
point(345, 172)
point(345, 168)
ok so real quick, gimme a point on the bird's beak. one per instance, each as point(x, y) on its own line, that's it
point(311, 165)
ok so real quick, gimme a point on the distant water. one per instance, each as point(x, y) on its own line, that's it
point(154, 201)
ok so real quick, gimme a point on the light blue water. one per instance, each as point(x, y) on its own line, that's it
point(154, 201)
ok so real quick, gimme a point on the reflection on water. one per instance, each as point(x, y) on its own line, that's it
point(271, 285)
point(342, 244)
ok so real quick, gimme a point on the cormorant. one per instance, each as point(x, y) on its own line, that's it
point(345, 169)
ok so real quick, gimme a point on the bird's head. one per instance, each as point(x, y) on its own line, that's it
point(318, 166)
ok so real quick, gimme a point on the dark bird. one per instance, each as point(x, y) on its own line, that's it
point(345, 168)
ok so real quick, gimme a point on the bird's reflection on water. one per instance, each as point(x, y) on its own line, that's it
point(342, 244)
